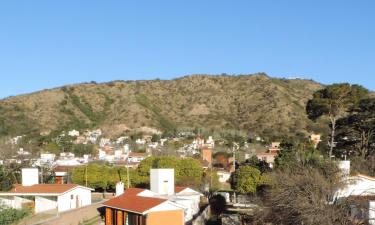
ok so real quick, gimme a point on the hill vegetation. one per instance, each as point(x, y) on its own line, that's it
point(254, 103)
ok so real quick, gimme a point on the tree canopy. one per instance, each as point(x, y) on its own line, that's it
point(334, 101)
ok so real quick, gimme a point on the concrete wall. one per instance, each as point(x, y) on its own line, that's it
point(166, 218)
point(45, 203)
point(162, 181)
point(202, 218)
point(70, 199)
point(8, 201)
point(30, 176)
point(371, 213)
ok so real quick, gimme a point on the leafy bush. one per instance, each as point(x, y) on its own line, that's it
point(9, 215)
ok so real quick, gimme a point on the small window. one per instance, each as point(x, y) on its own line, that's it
point(72, 197)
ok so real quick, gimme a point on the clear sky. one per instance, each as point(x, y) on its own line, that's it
point(45, 44)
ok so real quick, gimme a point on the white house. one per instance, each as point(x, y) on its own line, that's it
point(73, 133)
point(47, 157)
point(45, 197)
point(223, 175)
point(361, 189)
point(136, 157)
point(163, 191)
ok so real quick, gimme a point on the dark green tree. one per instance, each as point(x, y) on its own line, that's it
point(334, 101)
point(356, 131)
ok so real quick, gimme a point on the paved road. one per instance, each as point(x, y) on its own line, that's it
point(77, 216)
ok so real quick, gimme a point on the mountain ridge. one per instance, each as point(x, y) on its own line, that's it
point(255, 102)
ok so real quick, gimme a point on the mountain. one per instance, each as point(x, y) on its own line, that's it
point(256, 103)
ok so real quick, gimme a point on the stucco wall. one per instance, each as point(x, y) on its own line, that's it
point(45, 203)
point(166, 218)
point(67, 202)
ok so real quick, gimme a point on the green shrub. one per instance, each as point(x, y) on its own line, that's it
point(9, 215)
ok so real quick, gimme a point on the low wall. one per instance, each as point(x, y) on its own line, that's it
point(202, 218)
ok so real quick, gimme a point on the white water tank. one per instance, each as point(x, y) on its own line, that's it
point(119, 188)
point(30, 176)
point(344, 166)
point(162, 181)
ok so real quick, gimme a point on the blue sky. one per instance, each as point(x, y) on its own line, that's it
point(45, 44)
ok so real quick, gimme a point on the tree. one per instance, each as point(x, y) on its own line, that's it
point(5, 180)
point(187, 171)
point(247, 179)
point(155, 138)
point(190, 172)
point(334, 101)
point(259, 164)
point(95, 174)
point(303, 192)
point(304, 196)
point(83, 149)
point(356, 131)
point(99, 176)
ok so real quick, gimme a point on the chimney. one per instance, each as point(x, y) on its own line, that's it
point(30, 176)
point(162, 181)
point(344, 166)
point(119, 188)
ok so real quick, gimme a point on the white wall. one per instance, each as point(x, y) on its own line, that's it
point(18, 201)
point(223, 176)
point(371, 213)
point(30, 176)
point(65, 201)
point(8, 201)
point(162, 181)
point(45, 203)
point(357, 186)
point(188, 207)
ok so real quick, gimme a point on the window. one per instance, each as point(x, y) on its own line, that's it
point(71, 197)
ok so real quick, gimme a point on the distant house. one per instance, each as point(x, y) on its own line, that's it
point(45, 197)
point(136, 157)
point(274, 148)
point(140, 141)
point(73, 133)
point(268, 157)
point(315, 139)
point(271, 154)
point(206, 155)
point(223, 175)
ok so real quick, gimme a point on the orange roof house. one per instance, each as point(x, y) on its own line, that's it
point(164, 204)
point(131, 208)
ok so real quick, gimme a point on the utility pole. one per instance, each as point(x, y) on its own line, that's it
point(235, 147)
point(127, 172)
point(86, 175)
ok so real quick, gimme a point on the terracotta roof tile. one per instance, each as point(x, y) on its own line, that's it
point(42, 189)
point(138, 154)
point(179, 189)
point(133, 203)
point(133, 191)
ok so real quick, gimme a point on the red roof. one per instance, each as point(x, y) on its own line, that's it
point(266, 154)
point(137, 154)
point(133, 191)
point(42, 189)
point(179, 189)
point(131, 202)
